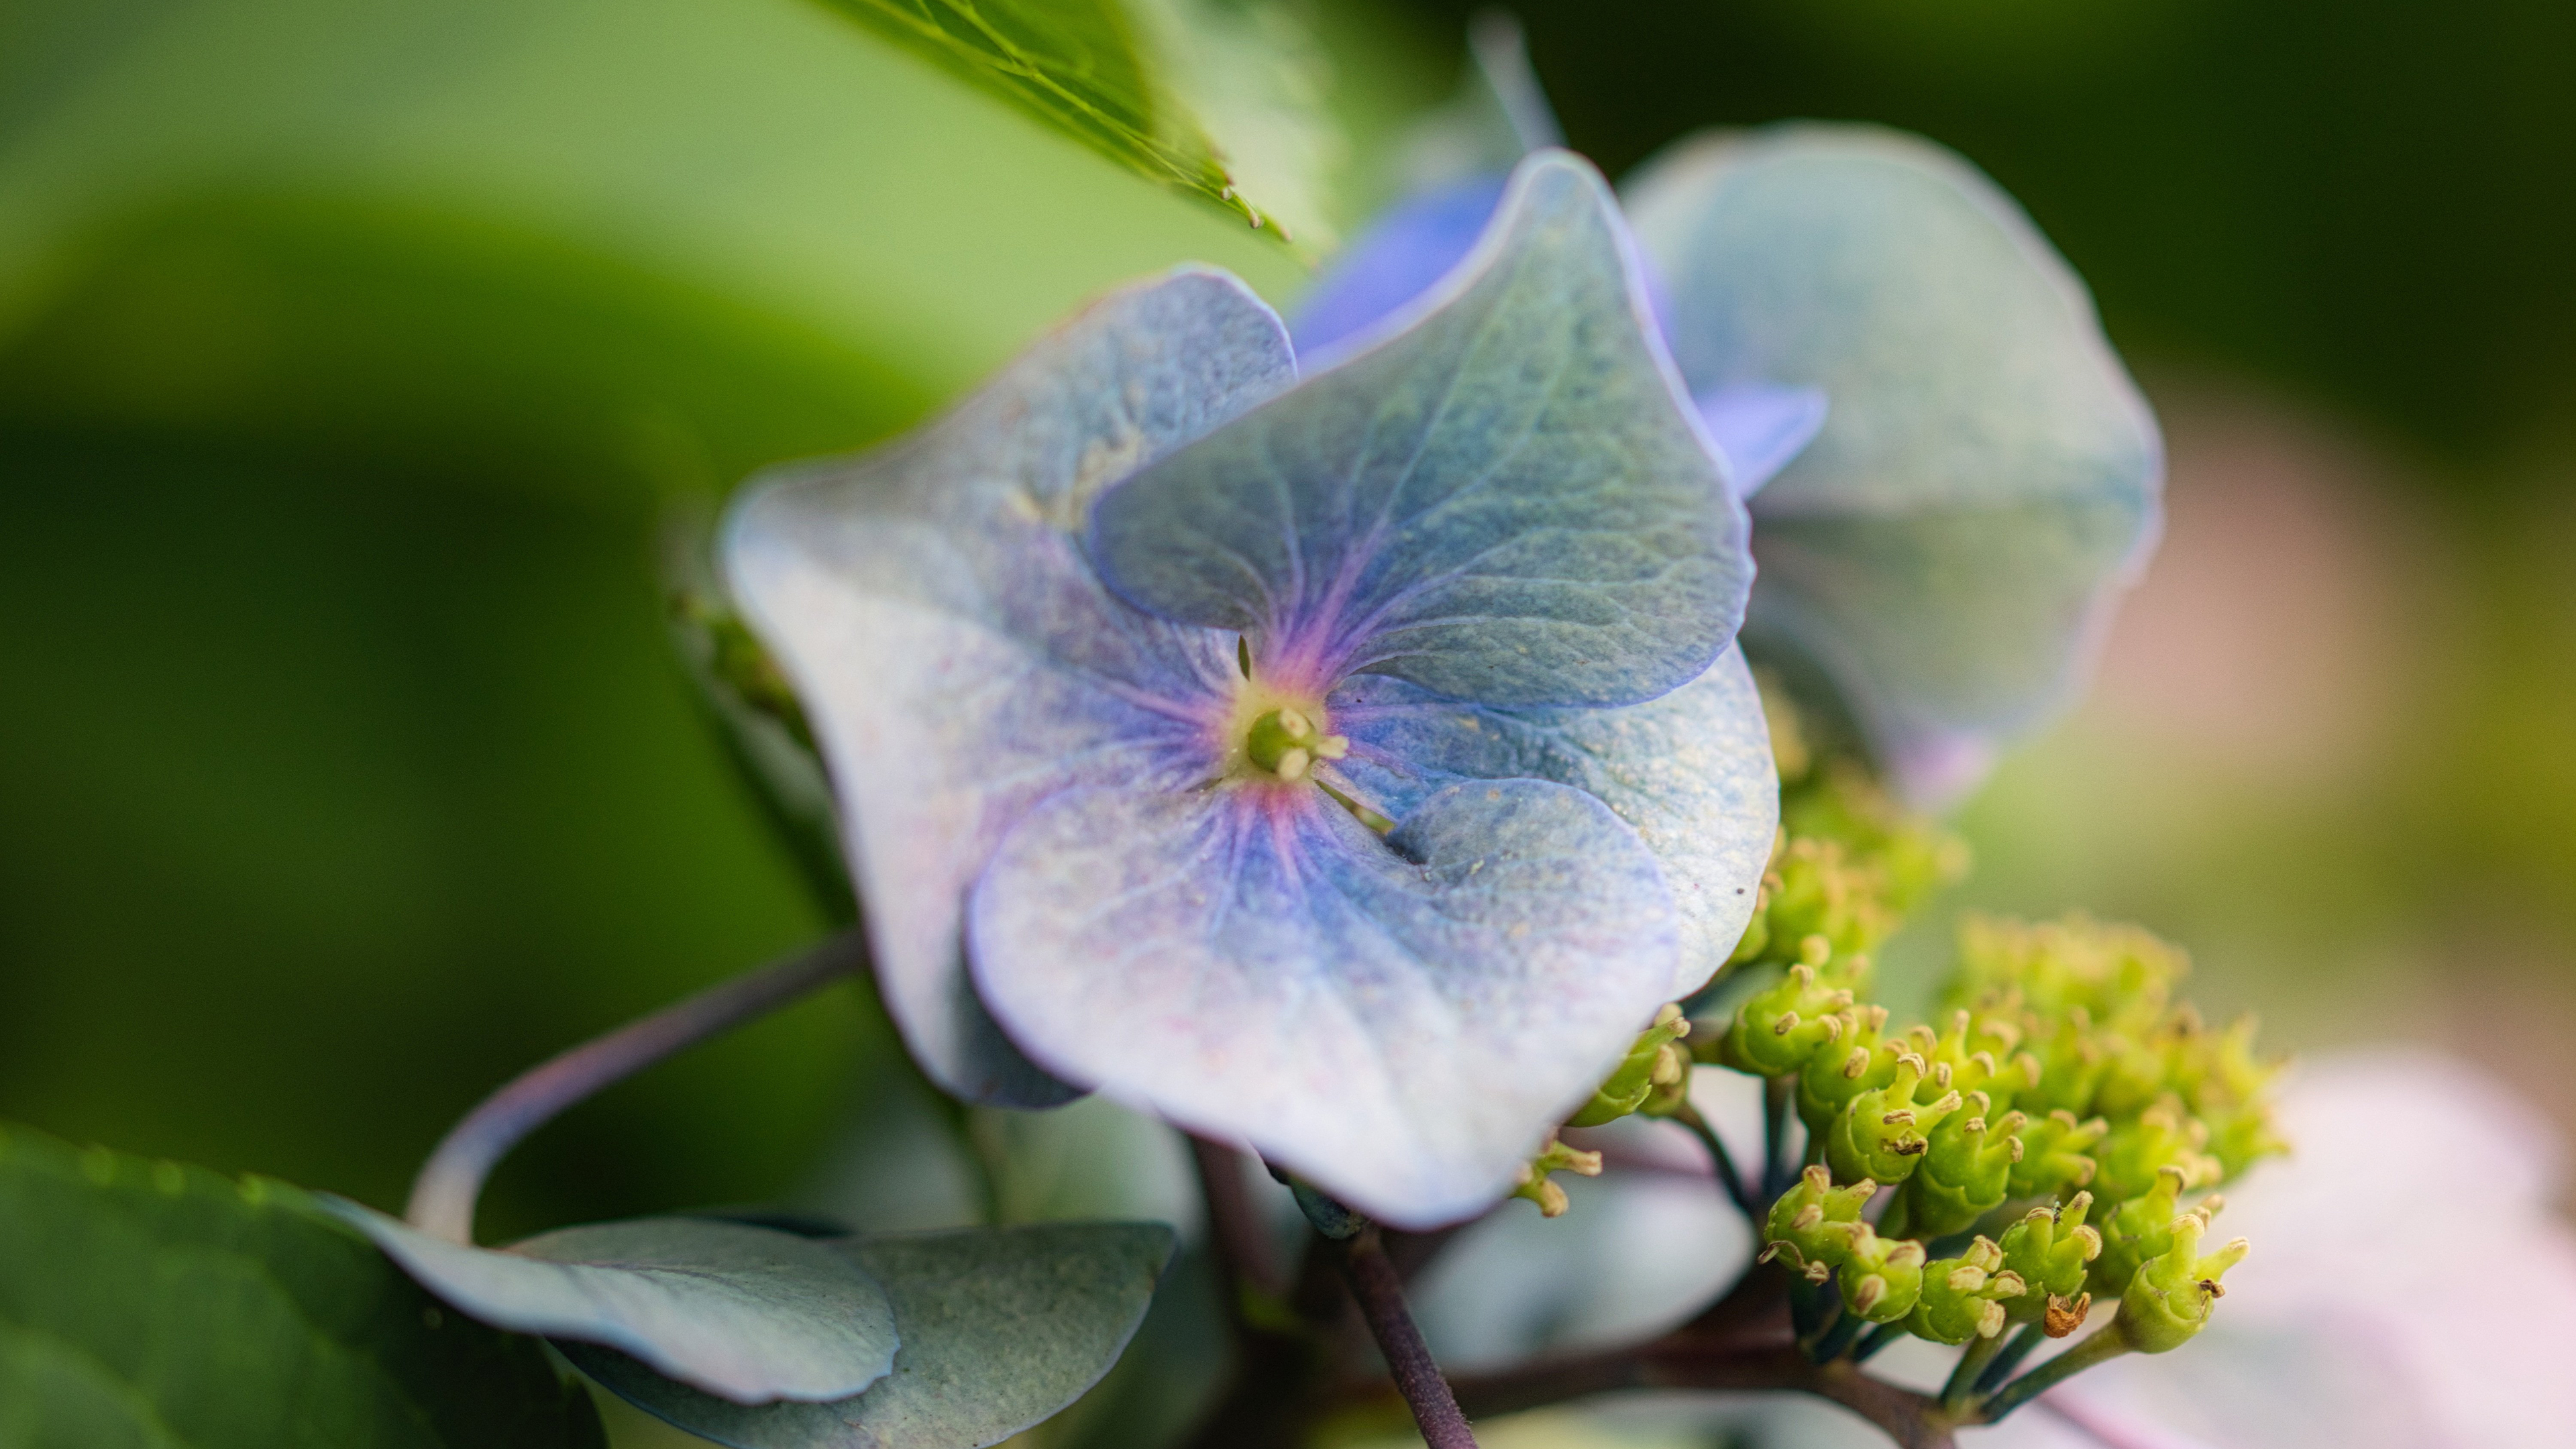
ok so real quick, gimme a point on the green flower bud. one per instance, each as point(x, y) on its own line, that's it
point(2141, 1229)
point(1883, 1134)
point(1816, 891)
point(1908, 855)
point(1964, 1173)
point(2218, 1076)
point(2071, 1064)
point(2239, 1137)
point(1858, 1060)
point(1755, 943)
point(2054, 1159)
point(2135, 1073)
point(1805, 1226)
point(1979, 1051)
point(1554, 1157)
point(1655, 1061)
point(1775, 1031)
point(2134, 1153)
point(1882, 1278)
point(1964, 1297)
point(2170, 1298)
point(2121, 977)
point(2050, 1248)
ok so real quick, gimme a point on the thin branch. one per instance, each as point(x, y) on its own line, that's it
point(1380, 1294)
point(1837, 1340)
point(442, 1198)
point(1777, 1095)
point(1680, 1361)
point(1244, 1251)
point(1722, 1165)
point(1962, 1386)
point(2105, 1344)
point(1879, 1337)
point(1994, 1374)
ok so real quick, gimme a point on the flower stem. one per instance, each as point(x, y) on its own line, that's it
point(1972, 1365)
point(442, 1198)
point(2030, 1337)
point(1235, 1230)
point(1879, 1337)
point(1721, 1163)
point(1380, 1295)
point(1831, 1344)
point(2106, 1344)
point(1776, 1095)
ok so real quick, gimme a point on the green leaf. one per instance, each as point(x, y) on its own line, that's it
point(153, 1305)
point(615, 241)
point(1098, 72)
point(747, 1312)
point(1001, 1328)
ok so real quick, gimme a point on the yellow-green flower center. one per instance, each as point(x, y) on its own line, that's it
point(1285, 743)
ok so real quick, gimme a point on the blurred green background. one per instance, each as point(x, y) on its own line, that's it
point(351, 355)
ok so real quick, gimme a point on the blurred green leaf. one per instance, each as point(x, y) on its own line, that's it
point(150, 1304)
point(1092, 70)
point(654, 240)
point(1002, 1327)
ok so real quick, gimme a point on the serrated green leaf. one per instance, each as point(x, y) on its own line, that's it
point(1106, 75)
point(1002, 1327)
point(153, 1305)
point(747, 1312)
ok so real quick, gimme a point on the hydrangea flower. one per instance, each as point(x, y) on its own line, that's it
point(1347, 765)
point(1951, 477)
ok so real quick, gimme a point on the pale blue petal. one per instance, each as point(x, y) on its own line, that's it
point(953, 649)
point(1506, 498)
point(1988, 477)
point(1399, 1020)
point(1002, 1327)
point(1760, 427)
point(750, 1314)
point(1691, 772)
point(1410, 245)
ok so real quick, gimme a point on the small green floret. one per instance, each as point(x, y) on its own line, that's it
point(1656, 1070)
point(1806, 1227)
point(2170, 1299)
point(1883, 1134)
point(2050, 1248)
point(1964, 1297)
point(1965, 1171)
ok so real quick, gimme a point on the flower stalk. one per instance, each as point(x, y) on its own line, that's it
point(443, 1196)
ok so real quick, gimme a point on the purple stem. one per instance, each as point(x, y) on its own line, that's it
point(1380, 1294)
point(442, 1198)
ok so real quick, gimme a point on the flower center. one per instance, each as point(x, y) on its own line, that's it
point(1286, 743)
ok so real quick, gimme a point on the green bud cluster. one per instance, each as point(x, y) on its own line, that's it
point(2059, 1117)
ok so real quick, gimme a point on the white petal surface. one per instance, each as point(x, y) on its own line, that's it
point(1691, 772)
point(1400, 1020)
point(957, 656)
